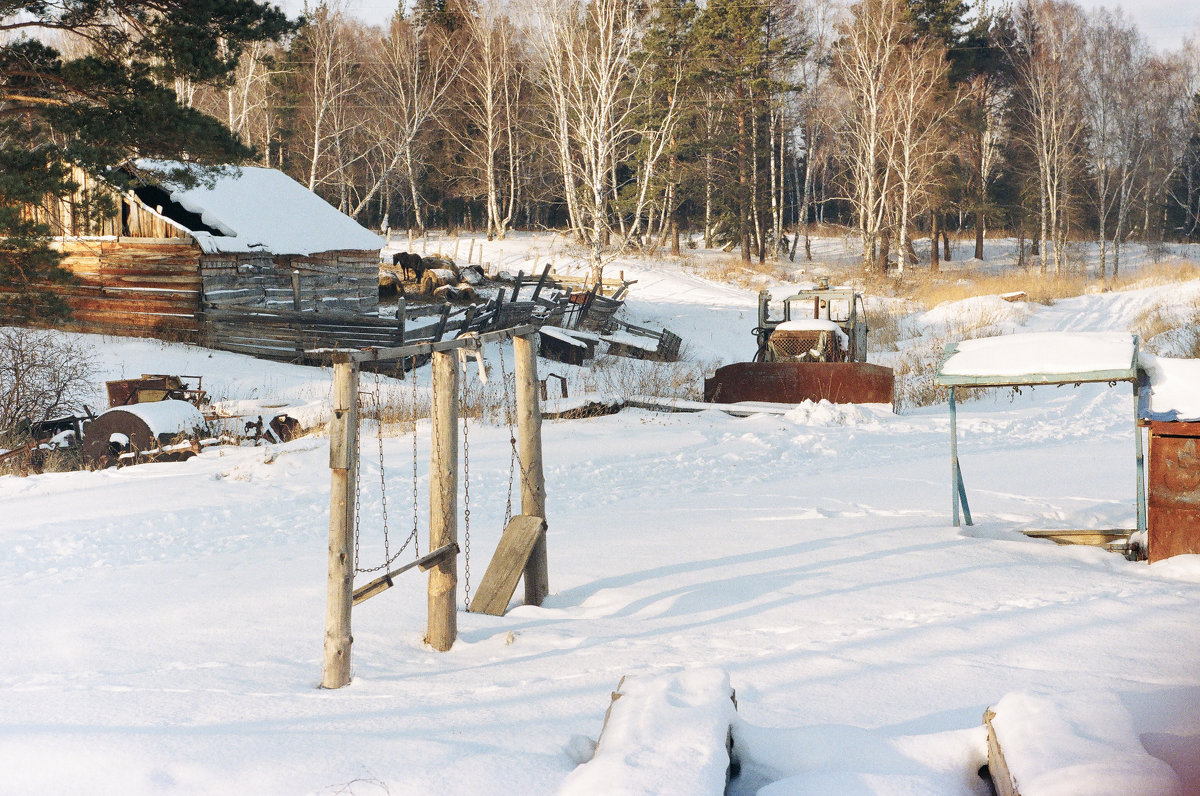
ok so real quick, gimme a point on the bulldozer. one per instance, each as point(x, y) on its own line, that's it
point(812, 345)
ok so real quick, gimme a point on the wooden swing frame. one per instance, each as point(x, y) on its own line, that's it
point(442, 561)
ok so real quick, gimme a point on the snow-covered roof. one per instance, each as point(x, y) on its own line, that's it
point(257, 209)
point(1040, 358)
point(1174, 388)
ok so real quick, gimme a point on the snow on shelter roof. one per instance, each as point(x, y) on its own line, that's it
point(1040, 358)
point(259, 209)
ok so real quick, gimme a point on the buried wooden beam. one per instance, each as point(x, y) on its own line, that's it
point(384, 582)
point(1002, 779)
point(512, 554)
point(1096, 538)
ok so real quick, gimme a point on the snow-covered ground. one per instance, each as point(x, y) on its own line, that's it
point(165, 621)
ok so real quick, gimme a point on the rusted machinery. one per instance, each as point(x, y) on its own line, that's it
point(154, 387)
point(168, 430)
point(814, 349)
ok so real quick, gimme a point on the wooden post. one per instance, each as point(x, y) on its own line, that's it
point(296, 290)
point(471, 251)
point(455, 255)
point(401, 318)
point(443, 501)
point(410, 238)
point(529, 447)
point(339, 594)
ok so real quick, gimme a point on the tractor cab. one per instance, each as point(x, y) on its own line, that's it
point(819, 325)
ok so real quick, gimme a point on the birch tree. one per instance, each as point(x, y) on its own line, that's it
point(917, 110)
point(871, 41)
point(594, 87)
point(413, 69)
point(1045, 61)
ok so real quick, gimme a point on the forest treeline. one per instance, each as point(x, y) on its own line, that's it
point(735, 123)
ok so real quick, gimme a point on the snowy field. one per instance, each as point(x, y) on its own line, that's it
point(165, 621)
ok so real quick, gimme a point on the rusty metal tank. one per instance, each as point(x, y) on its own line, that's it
point(795, 382)
point(1173, 493)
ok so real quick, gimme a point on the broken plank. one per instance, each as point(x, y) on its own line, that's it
point(504, 571)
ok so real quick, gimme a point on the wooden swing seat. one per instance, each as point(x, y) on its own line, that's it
point(512, 554)
point(384, 582)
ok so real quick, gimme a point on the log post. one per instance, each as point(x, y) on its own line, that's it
point(296, 305)
point(443, 501)
point(529, 447)
point(401, 318)
point(471, 252)
point(339, 595)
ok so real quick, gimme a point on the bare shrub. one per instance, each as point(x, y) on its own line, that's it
point(918, 362)
point(623, 378)
point(43, 375)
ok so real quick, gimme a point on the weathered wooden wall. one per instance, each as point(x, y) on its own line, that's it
point(143, 287)
point(344, 281)
point(83, 214)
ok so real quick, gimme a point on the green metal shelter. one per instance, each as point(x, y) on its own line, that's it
point(1038, 358)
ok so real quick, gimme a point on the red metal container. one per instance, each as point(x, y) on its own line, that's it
point(1173, 500)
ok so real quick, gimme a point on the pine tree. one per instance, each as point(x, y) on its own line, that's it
point(101, 108)
point(744, 52)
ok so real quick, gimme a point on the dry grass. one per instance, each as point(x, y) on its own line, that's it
point(731, 269)
point(932, 289)
point(1170, 330)
point(1160, 274)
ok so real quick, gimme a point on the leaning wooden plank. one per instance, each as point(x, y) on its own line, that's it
point(1071, 743)
point(504, 571)
point(663, 735)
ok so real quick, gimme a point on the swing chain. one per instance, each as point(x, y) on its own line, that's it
point(382, 476)
point(510, 416)
point(388, 557)
point(357, 483)
point(462, 410)
point(415, 535)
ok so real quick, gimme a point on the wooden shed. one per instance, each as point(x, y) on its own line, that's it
point(239, 237)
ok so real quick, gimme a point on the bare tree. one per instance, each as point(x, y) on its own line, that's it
point(594, 84)
point(328, 83)
point(810, 106)
point(872, 38)
point(490, 103)
point(413, 70)
point(916, 142)
point(1045, 57)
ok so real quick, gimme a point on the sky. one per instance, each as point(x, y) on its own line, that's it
point(1164, 22)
